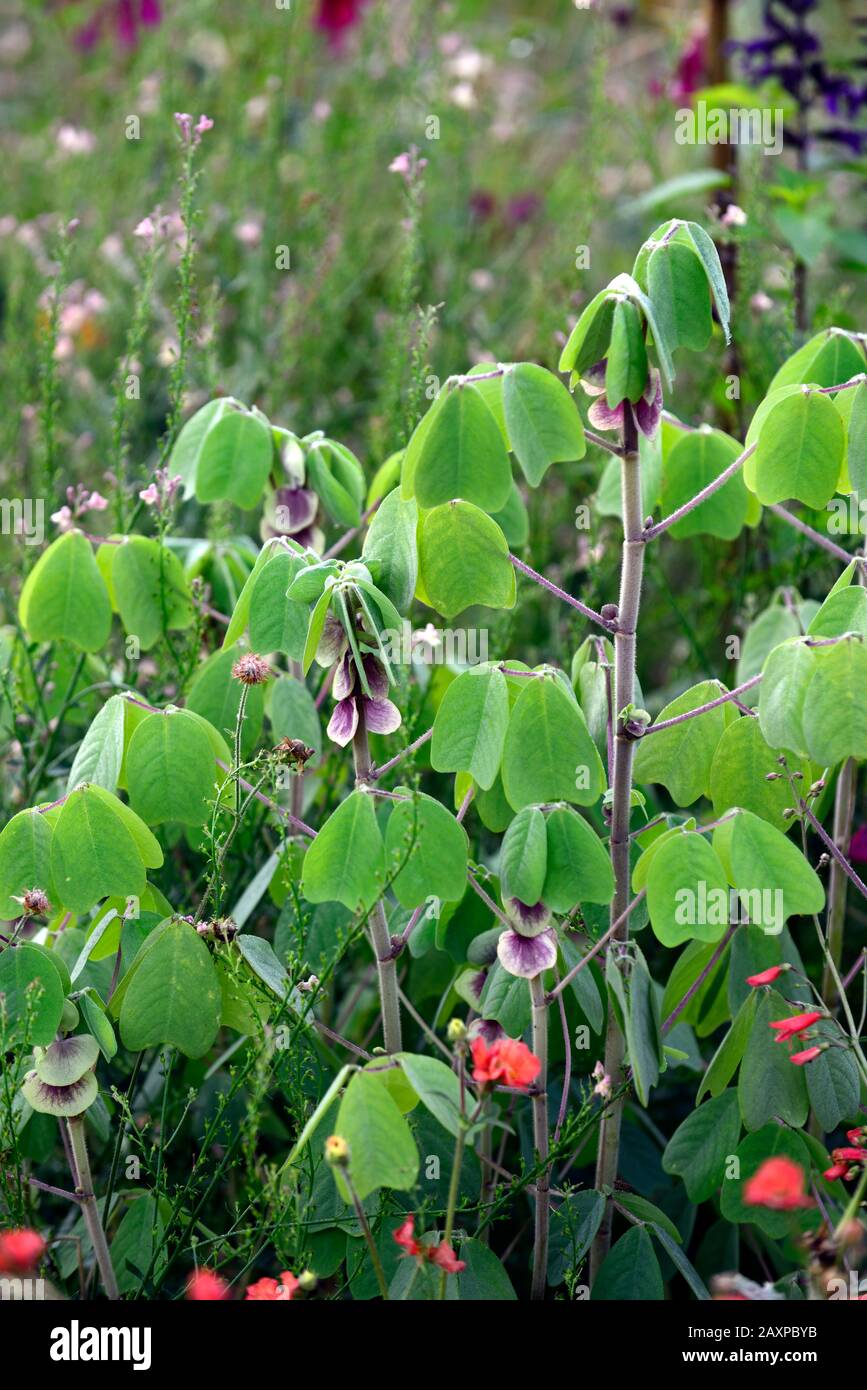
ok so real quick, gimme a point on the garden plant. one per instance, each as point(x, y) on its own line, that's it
point(375, 923)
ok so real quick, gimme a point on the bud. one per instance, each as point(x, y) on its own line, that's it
point(251, 669)
point(456, 1031)
point(35, 903)
point(307, 1281)
point(337, 1151)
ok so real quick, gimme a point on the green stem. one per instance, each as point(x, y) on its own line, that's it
point(81, 1176)
point(632, 568)
point(368, 1236)
point(844, 807)
point(540, 1140)
point(454, 1189)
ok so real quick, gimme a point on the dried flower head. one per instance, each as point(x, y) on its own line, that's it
point(251, 669)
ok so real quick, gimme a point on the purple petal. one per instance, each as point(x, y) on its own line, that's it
point(593, 379)
point(649, 412)
point(344, 678)
point(331, 643)
point(602, 417)
point(487, 1028)
point(376, 677)
point(295, 508)
point(343, 722)
point(527, 956)
point(381, 716)
point(528, 920)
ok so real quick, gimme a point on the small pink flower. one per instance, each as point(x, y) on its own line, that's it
point(96, 502)
point(149, 495)
point(145, 229)
point(184, 122)
point(63, 518)
point(203, 124)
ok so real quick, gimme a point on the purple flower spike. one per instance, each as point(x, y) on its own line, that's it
point(381, 716)
point(528, 920)
point(527, 956)
point(344, 678)
point(343, 722)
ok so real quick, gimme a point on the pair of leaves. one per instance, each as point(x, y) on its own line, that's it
point(463, 560)
point(555, 858)
point(99, 848)
point(224, 453)
point(172, 996)
point(65, 598)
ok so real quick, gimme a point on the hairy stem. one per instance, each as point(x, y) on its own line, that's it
point(632, 567)
point(454, 1189)
point(540, 1139)
point(385, 962)
point(80, 1166)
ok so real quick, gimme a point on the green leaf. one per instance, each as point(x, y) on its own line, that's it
point(293, 713)
point(543, 424)
point(583, 986)
point(800, 450)
point(430, 847)
point(98, 1023)
point(484, 1280)
point(31, 982)
point(589, 339)
point(647, 1212)
point(856, 456)
point(826, 359)
point(642, 1029)
point(464, 559)
point(842, 612)
point(151, 590)
point(833, 1086)
point(679, 1260)
point(678, 289)
point(834, 712)
point(263, 961)
point(578, 867)
point(277, 624)
point(174, 995)
point(739, 769)
point(132, 1247)
point(436, 1086)
point(316, 628)
point(680, 758)
point(470, 725)
point(64, 597)
point(770, 1087)
point(786, 676)
point(548, 753)
point(346, 861)
point(390, 550)
point(697, 460)
point(524, 856)
point(506, 999)
point(25, 861)
point(337, 476)
point(100, 753)
point(100, 848)
point(463, 454)
point(687, 891)
point(728, 1055)
point(699, 1148)
point(171, 771)
point(630, 1271)
point(626, 371)
point(772, 1141)
point(713, 270)
point(764, 862)
point(234, 458)
point(382, 1151)
point(184, 458)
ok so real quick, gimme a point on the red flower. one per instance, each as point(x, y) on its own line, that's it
point(808, 1055)
point(857, 1136)
point(444, 1256)
point(778, 1183)
point(404, 1235)
point(507, 1060)
point(270, 1291)
point(767, 977)
point(838, 1170)
point(797, 1023)
point(204, 1286)
point(20, 1250)
point(848, 1155)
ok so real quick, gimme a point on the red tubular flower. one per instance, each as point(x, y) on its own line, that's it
point(777, 1183)
point(857, 1136)
point(444, 1256)
point(204, 1286)
point(270, 1291)
point(20, 1250)
point(508, 1060)
point(809, 1054)
point(837, 1170)
point(767, 977)
point(798, 1023)
point(849, 1155)
point(404, 1236)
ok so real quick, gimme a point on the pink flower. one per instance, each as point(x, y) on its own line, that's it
point(380, 715)
point(204, 1286)
point(272, 1291)
point(508, 1061)
point(63, 518)
point(767, 977)
point(145, 229)
point(203, 124)
point(444, 1256)
point(778, 1183)
point(858, 846)
point(404, 1236)
point(787, 1028)
point(20, 1250)
point(809, 1054)
point(336, 17)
